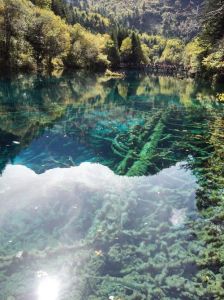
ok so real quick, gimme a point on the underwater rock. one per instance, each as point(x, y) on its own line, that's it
point(20, 255)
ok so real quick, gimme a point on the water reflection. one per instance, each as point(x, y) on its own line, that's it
point(101, 181)
point(62, 196)
point(64, 217)
point(65, 121)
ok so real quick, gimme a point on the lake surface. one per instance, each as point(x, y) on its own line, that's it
point(111, 188)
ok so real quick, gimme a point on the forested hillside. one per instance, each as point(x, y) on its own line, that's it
point(212, 37)
point(37, 35)
point(205, 53)
point(170, 18)
point(42, 35)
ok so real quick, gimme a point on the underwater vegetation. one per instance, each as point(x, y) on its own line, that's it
point(112, 188)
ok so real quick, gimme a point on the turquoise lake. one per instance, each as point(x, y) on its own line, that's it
point(111, 188)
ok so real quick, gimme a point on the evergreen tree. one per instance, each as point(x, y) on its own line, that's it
point(58, 8)
point(113, 54)
point(137, 53)
point(122, 33)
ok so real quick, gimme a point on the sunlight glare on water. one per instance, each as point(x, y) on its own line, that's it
point(48, 288)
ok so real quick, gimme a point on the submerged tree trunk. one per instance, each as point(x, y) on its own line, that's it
point(140, 167)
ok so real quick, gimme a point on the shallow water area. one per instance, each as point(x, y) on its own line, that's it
point(111, 188)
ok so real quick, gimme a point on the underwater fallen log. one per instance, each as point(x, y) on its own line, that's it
point(119, 145)
point(118, 153)
point(140, 167)
point(132, 154)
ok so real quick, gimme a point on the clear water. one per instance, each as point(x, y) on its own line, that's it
point(111, 188)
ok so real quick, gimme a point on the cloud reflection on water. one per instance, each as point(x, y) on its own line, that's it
point(20, 187)
point(66, 205)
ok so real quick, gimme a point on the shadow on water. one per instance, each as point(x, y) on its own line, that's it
point(111, 189)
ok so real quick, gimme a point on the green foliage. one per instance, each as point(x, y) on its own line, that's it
point(213, 21)
point(212, 39)
point(137, 52)
point(43, 3)
point(92, 21)
point(193, 55)
point(126, 49)
point(169, 18)
point(112, 53)
point(49, 36)
point(173, 52)
point(214, 61)
point(111, 74)
point(33, 37)
point(87, 50)
point(156, 45)
point(59, 8)
point(133, 51)
point(15, 18)
point(52, 33)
